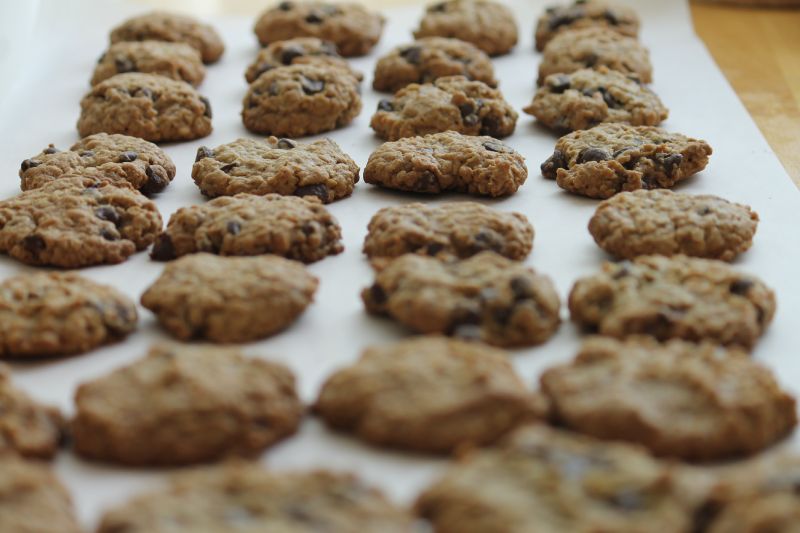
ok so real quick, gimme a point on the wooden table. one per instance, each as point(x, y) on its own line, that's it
point(757, 49)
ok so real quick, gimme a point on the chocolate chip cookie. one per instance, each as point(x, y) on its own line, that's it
point(148, 106)
point(229, 299)
point(430, 58)
point(56, 314)
point(585, 14)
point(611, 158)
point(353, 28)
point(488, 25)
point(297, 51)
point(32, 499)
point(185, 405)
point(172, 27)
point(243, 496)
point(485, 297)
point(453, 229)
point(428, 394)
point(668, 223)
point(560, 482)
point(273, 165)
point(587, 97)
point(246, 224)
point(452, 103)
point(674, 297)
point(177, 61)
point(448, 161)
point(118, 158)
point(593, 47)
point(76, 222)
point(28, 428)
point(301, 99)
point(696, 402)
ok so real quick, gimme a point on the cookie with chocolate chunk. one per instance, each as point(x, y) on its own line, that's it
point(177, 61)
point(118, 158)
point(675, 297)
point(611, 158)
point(273, 165)
point(488, 25)
point(485, 297)
point(452, 103)
point(148, 106)
point(297, 51)
point(585, 14)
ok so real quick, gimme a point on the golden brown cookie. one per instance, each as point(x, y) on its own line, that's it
point(585, 14)
point(297, 51)
point(488, 25)
point(177, 61)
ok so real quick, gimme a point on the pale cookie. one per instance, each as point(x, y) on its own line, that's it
point(488, 25)
point(229, 299)
point(662, 222)
point(243, 497)
point(177, 61)
point(273, 165)
point(53, 314)
point(118, 158)
point(674, 297)
point(588, 97)
point(453, 229)
point(172, 27)
point(246, 224)
point(33, 500)
point(585, 14)
point(27, 427)
point(428, 394)
point(148, 106)
point(184, 405)
point(77, 222)
point(696, 402)
point(485, 297)
point(353, 28)
point(452, 103)
point(448, 161)
point(301, 99)
point(300, 50)
point(594, 47)
point(430, 58)
point(611, 158)
point(549, 481)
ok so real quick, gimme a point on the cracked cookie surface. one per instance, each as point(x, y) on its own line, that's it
point(583, 14)
point(610, 158)
point(488, 25)
point(183, 405)
point(428, 394)
point(246, 224)
point(77, 222)
point(229, 299)
point(273, 165)
point(485, 297)
point(177, 61)
point(297, 51)
point(148, 106)
point(452, 103)
point(674, 297)
point(119, 158)
point(447, 161)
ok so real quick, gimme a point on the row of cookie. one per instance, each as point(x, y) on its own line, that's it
point(555, 479)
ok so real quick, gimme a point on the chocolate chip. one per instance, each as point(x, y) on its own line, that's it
point(609, 99)
point(127, 157)
point(705, 210)
point(624, 270)
point(156, 181)
point(559, 83)
point(308, 228)
point(261, 68)
point(227, 168)
point(741, 287)
point(553, 163)
point(502, 315)
point(522, 288)
point(290, 53)
point(34, 244)
point(671, 161)
point(109, 235)
point(124, 64)
point(203, 152)
point(434, 248)
point(207, 104)
point(385, 105)
point(311, 86)
point(108, 213)
point(494, 146)
point(377, 294)
point(320, 190)
point(467, 108)
point(427, 182)
point(590, 60)
point(313, 18)
point(163, 249)
point(490, 127)
point(592, 154)
point(487, 240)
point(285, 6)
point(621, 151)
point(286, 144)
point(438, 8)
point(29, 163)
point(50, 150)
point(412, 54)
point(704, 516)
point(561, 20)
point(611, 17)
point(87, 153)
point(233, 227)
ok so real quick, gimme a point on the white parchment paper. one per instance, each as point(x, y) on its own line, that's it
point(44, 106)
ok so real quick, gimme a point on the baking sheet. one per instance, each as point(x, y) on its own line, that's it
point(44, 105)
